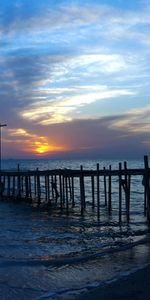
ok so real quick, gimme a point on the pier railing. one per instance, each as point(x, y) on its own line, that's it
point(66, 188)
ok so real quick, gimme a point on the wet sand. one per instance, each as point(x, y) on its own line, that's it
point(135, 286)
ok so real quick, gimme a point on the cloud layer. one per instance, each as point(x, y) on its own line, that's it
point(66, 66)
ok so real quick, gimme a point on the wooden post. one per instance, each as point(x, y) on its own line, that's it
point(93, 191)
point(26, 187)
point(22, 186)
point(35, 186)
point(52, 184)
point(30, 189)
point(4, 182)
point(145, 196)
point(105, 188)
point(63, 188)
point(98, 193)
point(109, 192)
point(60, 191)
point(125, 167)
point(147, 186)
point(144, 182)
point(128, 197)
point(126, 186)
point(55, 188)
point(13, 187)
point(69, 186)
point(19, 187)
point(2, 186)
point(82, 190)
point(46, 190)
point(38, 187)
point(66, 187)
point(72, 184)
point(18, 182)
point(21, 179)
point(8, 190)
point(120, 193)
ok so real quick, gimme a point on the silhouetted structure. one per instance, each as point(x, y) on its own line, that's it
point(58, 188)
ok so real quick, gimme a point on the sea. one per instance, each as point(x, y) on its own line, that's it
point(48, 254)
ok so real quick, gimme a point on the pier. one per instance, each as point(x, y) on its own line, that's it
point(65, 189)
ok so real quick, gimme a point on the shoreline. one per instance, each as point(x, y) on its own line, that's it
point(135, 286)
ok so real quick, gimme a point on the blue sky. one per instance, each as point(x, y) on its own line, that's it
point(75, 78)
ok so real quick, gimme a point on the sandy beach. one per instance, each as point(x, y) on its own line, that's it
point(135, 286)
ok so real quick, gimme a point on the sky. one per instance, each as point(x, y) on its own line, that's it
point(75, 78)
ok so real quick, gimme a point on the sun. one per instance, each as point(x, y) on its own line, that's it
point(45, 148)
point(41, 148)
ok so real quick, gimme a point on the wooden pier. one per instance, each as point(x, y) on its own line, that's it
point(58, 188)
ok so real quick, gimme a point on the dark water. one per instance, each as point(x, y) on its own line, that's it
point(48, 255)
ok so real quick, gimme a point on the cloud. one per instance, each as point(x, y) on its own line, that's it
point(44, 61)
point(62, 108)
point(31, 81)
point(136, 121)
point(31, 143)
point(41, 15)
point(91, 20)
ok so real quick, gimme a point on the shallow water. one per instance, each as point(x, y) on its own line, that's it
point(48, 255)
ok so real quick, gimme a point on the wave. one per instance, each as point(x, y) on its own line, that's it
point(58, 262)
point(88, 287)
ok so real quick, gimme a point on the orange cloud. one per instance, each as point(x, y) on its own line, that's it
point(32, 143)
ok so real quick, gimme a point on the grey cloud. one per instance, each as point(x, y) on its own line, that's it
point(97, 138)
point(22, 73)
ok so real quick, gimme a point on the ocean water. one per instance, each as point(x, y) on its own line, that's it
point(51, 255)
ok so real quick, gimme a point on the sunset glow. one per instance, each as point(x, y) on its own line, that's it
point(45, 148)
